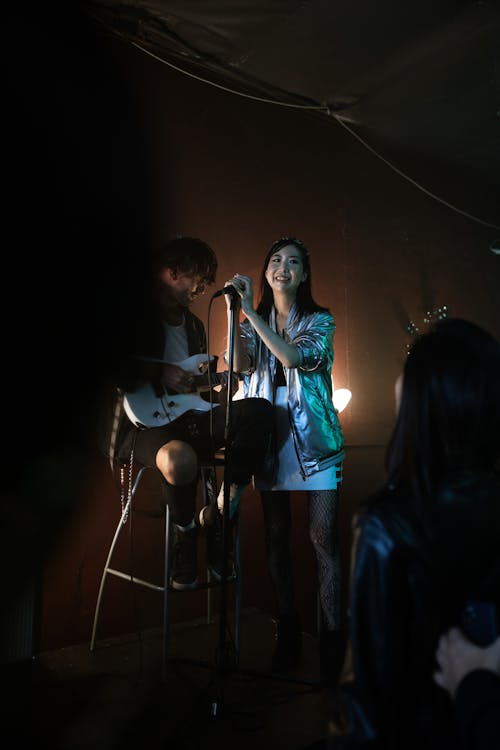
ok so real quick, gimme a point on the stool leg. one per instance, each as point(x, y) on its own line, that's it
point(166, 578)
point(121, 523)
point(106, 568)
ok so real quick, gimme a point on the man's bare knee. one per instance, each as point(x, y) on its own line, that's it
point(178, 462)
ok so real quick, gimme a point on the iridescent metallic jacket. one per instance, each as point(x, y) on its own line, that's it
point(313, 418)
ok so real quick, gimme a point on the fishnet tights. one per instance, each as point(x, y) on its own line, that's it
point(322, 505)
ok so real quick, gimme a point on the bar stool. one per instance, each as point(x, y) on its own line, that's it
point(208, 477)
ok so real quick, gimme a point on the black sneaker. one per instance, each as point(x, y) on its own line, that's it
point(184, 564)
point(215, 550)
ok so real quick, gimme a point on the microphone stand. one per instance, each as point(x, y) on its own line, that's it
point(221, 655)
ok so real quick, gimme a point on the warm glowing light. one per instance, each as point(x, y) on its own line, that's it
point(341, 398)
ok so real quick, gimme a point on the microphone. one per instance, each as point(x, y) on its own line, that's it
point(229, 289)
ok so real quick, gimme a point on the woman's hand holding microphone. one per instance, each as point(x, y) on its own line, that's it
point(243, 285)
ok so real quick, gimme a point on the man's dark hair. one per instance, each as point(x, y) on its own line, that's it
point(187, 255)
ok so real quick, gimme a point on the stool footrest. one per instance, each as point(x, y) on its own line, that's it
point(141, 582)
point(134, 579)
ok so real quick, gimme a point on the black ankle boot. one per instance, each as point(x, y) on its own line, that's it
point(332, 646)
point(288, 649)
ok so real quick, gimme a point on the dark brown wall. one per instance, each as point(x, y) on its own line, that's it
point(239, 174)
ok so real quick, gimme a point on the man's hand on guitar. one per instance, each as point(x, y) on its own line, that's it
point(156, 404)
point(174, 378)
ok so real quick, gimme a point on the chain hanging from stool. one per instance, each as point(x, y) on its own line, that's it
point(129, 488)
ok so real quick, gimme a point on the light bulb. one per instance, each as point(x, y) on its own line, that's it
point(341, 398)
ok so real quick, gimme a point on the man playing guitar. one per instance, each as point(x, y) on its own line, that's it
point(162, 418)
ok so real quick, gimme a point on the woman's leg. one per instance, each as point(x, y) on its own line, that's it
point(277, 527)
point(323, 505)
point(323, 511)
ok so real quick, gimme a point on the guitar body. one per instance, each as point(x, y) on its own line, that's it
point(145, 408)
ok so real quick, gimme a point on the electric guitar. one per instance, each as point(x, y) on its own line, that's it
point(145, 408)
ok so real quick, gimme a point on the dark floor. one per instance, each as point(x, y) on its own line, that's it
point(114, 697)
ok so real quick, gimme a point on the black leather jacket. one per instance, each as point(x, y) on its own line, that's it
point(408, 585)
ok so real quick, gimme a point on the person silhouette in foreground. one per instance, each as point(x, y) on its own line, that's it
point(424, 545)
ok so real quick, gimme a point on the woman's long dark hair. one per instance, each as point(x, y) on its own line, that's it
point(448, 426)
point(304, 301)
